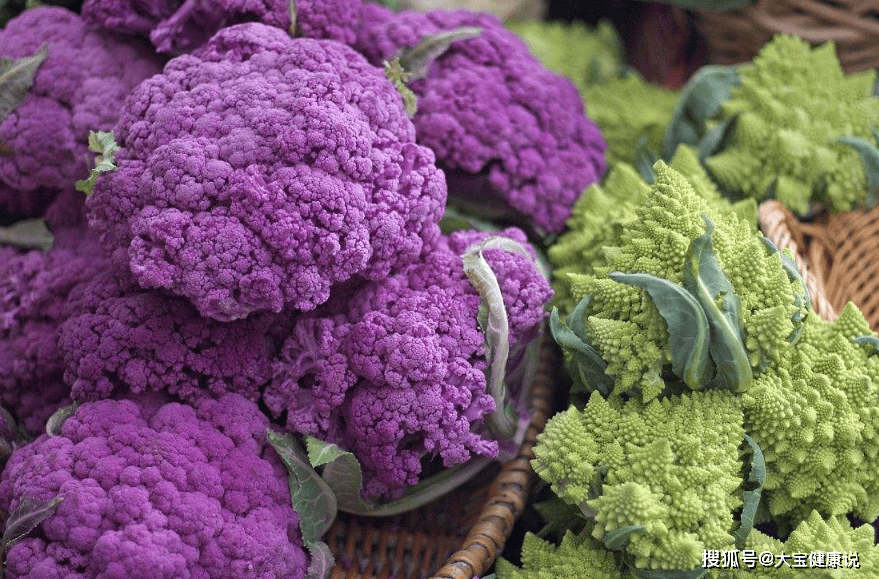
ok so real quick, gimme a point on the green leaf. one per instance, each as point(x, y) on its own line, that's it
point(704, 278)
point(29, 233)
point(715, 139)
point(58, 418)
point(869, 340)
point(700, 100)
point(321, 560)
point(343, 475)
point(689, 335)
point(16, 79)
point(751, 498)
point(26, 518)
point(697, 573)
point(504, 421)
point(587, 362)
point(869, 157)
point(417, 59)
point(399, 78)
point(312, 498)
point(645, 158)
point(104, 144)
point(617, 539)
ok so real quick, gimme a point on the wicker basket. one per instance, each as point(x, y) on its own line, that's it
point(459, 535)
point(841, 253)
point(738, 35)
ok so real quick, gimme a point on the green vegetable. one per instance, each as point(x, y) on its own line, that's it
point(663, 479)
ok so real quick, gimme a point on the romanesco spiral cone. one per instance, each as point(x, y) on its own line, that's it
point(583, 54)
point(818, 548)
point(792, 106)
point(577, 557)
point(815, 415)
point(625, 325)
point(631, 113)
point(669, 471)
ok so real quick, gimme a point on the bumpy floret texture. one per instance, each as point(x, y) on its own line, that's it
point(604, 211)
point(506, 130)
point(792, 105)
point(583, 54)
point(262, 170)
point(156, 491)
point(35, 298)
point(632, 115)
point(79, 87)
point(122, 338)
point(176, 26)
point(572, 558)
point(818, 547)
point(624, 324)
point(395, 370)
point(672, 466)
point(815, 414)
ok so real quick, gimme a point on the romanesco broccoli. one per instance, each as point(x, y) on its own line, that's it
point(577, 556)
point(665, 475)
point(754, 312)
point(792, 106)
point(631, 113)
point(583, 54)
point(815, 414)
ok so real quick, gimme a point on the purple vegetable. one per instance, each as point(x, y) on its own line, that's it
point(127, 339)
point(35, 299)
point(176, 26)
point(153, 491)
point(79, 87)
point(261, 171)
point(394, 370)
point(505, 129)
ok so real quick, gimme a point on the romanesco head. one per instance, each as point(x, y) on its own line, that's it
point(624, 323)
point(630, 113)
point(577, 556)
point(815, 415)
point(792, 106)
point(584, 55)
point(665, 474)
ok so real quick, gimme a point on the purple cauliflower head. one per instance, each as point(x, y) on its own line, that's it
point(506, 130)
point(35, 300)
point(79, 87)
point(126, 339)
point(262, 170)
point(394, 370)
point(156, 491)
point(176, 26)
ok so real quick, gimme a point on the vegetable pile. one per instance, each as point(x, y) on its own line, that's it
point(261, 262)
point(227, 306)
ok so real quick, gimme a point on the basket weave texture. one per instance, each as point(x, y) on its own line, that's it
point(459, 535)
point(738, 35)
point(839, 252)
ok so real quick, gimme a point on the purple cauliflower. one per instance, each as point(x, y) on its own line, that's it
point(176, 26)
point(394, 370)
point(260, 171)
point(123, 337)
point(506, 130)
point(153, 491)
point(35, 290)
point(79, 87)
